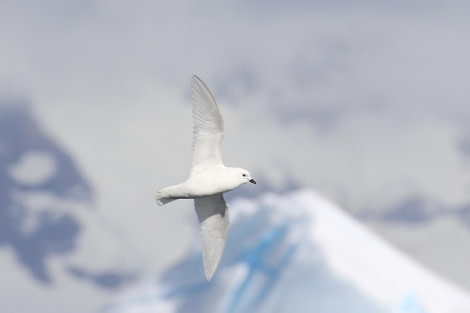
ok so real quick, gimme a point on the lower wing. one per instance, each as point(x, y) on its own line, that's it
point(213, 215)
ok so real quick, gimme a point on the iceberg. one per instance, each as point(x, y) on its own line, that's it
point(297, 253)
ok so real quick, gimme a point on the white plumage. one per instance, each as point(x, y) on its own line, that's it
point(209, 178)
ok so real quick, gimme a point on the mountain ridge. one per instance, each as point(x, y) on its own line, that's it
point(295, 253)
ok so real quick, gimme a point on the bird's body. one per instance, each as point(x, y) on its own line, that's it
point(216, 179)
point(209, 177)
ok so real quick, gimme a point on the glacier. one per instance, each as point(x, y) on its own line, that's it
point(296, 252)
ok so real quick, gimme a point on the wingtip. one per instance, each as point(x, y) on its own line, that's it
point(210, 272)
point(196, 78)
point(209, 276)
point(211, 264)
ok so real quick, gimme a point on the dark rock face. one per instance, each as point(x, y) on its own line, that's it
point(55, 230)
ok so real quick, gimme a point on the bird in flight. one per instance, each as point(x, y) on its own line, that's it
point(209, 177)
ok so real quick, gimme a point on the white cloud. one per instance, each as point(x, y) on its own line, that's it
point(67, 295)
point(33, 168)
point(363, 163)
point(127, 153)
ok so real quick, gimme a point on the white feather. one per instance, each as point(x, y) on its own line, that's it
point(213, 216)
point(209, 178)
point(208, 127)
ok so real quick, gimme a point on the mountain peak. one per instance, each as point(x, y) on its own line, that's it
point(298, 253)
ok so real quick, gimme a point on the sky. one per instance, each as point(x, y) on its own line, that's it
point(379, 86)
point(366, 103)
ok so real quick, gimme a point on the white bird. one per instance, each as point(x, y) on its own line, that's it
point(209, 178)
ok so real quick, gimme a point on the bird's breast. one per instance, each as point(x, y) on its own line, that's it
point(210, 183)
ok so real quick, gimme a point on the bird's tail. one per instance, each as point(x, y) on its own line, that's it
point(168, 194)
point(162, 201)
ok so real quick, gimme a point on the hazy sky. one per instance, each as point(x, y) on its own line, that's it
point(369, 104)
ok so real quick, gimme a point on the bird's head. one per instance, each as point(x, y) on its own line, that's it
point(245, 176)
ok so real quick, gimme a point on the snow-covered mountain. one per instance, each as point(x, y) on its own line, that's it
point(297, 253)
point(51, 238)
point(35, 174)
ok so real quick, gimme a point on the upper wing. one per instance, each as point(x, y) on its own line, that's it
point(208, 124)
point(213, 216)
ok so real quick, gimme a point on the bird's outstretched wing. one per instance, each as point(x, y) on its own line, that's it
point(213, 216)
point(208, 127)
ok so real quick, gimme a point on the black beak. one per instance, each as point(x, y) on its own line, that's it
point(252, 181)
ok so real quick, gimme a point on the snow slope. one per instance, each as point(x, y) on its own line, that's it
point(297, 253)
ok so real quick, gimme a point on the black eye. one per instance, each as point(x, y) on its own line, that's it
point(244, 175)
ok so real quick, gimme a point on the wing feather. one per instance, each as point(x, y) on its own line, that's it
point(213, 216)
point(208, 127)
